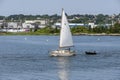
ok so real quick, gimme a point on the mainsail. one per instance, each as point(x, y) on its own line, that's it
point(65, 33)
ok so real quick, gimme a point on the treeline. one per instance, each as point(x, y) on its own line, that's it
point(76, 18)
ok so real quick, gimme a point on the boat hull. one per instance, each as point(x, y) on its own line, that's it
point(91, 53)
point(60, 53)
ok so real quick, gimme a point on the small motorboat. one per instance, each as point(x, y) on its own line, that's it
point(90, 52)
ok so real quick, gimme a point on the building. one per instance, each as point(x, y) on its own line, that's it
point(12, 25)
point(39, 23)
point(70, 24)
point(27, 26)
point(91, 25)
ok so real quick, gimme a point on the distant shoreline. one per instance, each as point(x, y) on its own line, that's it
point(55, 34)
point(96, 34)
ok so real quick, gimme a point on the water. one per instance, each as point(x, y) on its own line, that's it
point(27, 58)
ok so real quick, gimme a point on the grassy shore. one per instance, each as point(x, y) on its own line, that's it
point(74, 34)
point(97, 34)
point(26, 33)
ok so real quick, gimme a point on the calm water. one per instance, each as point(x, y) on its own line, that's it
point(27, 58)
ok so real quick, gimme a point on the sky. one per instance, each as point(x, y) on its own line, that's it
point(50, 7)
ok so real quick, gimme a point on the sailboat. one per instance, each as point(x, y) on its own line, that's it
point(66, 41)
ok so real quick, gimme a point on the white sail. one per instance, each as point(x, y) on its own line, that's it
point(65, 33)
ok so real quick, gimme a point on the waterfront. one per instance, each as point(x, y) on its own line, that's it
point(27, 58)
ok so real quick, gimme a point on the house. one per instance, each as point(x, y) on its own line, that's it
point(39, 23)
point(91, 25)
point(12, 25)
point(27, 25)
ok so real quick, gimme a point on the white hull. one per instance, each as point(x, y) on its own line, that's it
point(62, 53)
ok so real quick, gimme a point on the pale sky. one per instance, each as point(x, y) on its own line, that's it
point(40, 7)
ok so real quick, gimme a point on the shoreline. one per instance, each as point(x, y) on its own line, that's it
point(55, 34)
point(96, 34)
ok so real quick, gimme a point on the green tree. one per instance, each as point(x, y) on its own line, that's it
point(115, 28)
point(79, 29)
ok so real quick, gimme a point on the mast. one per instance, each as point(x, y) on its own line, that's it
point(65, 33)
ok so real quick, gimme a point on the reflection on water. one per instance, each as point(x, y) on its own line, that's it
point(63, 68)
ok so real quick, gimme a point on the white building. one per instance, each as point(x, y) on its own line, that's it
point(70, 24)
point(40, 23)
point(27, 26)
point(12, 25)
point(92, 25)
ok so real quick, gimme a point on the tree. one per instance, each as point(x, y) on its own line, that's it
point(115, 28)
point(79, 29)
